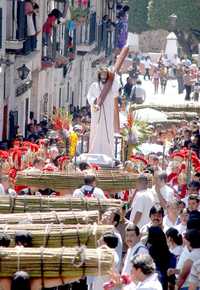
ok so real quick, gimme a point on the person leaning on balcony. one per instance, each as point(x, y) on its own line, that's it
point(36, 11)
point(31, 30)
point(52, 19)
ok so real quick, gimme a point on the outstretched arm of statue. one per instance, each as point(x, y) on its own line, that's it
point(108, 85)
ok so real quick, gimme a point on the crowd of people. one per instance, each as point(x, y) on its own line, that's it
point(156, 241)
point(155, 237)
point(157, 234)
point(183, 70)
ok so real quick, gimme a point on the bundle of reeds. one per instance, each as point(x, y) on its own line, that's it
point(181, 115)
point(56, 262)
point(70, 217)
point(55, 236)
point(169, 122)
point(108, 180)
point(169, 108)
point(27, 203)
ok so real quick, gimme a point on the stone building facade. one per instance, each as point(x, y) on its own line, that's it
point(29, 87)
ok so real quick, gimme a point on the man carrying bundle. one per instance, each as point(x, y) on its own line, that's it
point(89, 189)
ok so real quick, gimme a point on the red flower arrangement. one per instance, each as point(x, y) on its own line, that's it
point(61, 120)
point(4, 154)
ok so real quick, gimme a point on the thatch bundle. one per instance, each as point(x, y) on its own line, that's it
point(27, 203)
point(108, 180)
point(181, 115)
point(55, 236)
point(62, 262)
point(70, 217)
point(169, 108)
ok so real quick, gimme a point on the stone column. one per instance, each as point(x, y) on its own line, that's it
point(171, 47)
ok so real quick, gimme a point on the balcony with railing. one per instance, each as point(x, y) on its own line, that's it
point(62, 47)
point(86, 33)
point(15, 35)
point(17, 28)
point(106, 37)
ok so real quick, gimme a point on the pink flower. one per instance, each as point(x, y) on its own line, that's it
point(83, 3)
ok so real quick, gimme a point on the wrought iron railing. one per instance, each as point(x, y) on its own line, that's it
point(86, 31)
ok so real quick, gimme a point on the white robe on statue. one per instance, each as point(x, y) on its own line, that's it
point(102, 121)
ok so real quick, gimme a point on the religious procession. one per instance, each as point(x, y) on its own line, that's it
point(101, 195)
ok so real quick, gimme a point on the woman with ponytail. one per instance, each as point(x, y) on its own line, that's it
point(175, 242)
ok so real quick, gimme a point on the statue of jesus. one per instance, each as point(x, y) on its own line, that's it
point(101, 97)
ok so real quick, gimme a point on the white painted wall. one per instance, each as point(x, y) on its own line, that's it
point(47, 82)
point(2, 53)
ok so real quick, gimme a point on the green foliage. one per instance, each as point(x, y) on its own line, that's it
point(138, 15)
point(187, 11)
point(78, 12)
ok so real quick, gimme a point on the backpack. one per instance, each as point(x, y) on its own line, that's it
point(87, 193)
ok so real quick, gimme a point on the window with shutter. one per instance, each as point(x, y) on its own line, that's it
point(1, 24)
point(66, 41)
point(100, 37)
point(21, 21)
point(105, 36)
point(93, 26)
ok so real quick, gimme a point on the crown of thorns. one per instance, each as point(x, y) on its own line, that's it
point(103, 69)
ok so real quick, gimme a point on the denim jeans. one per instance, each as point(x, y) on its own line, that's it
point(46, 45)
point(188, 92)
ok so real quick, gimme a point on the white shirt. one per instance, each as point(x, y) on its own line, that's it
point(10, 192)
point(167, 223)
point(177, 251)
point(140, 92)
point(118, 250)
point(183, 257)
point(194, 255)
point(142, 203)
point(147, 63)
point(139, 248)
point(181, 228)
point(32, 170)
point(195, 273)
point(30, 25)
point(166, 62)
point(145, 229)
point(166, 191)
point(100, 280)
point(97, 193)
point(150, 283)
point(130, 286)
point(185, 200)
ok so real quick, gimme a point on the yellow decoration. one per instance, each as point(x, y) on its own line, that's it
point(73, 139)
